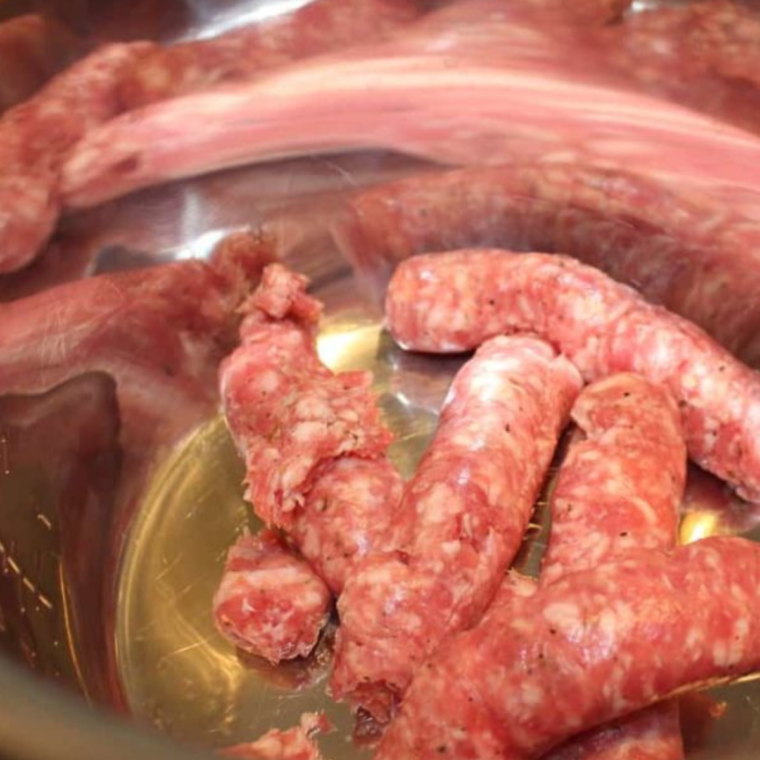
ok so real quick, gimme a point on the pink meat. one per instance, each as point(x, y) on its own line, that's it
point(32, 49)
point(453, 95)
point(289, 414)
point(588, 649)
point(705, 55)
point(671, 244)
point(157, 331)
point(348, 513)
point(291, 744)
point(35, 138)
point(313, 443)
point(455, 301)
point(619, 490)
point(241, 54)
point(621, 484)
point(461, 519)
point(270, 602)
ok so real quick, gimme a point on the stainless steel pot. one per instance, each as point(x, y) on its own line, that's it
point(109, 565)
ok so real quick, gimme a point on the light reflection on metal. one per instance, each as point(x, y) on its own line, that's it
point(216, 22)
point(697, 525)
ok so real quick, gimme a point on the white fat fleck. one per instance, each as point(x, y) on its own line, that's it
point(693, 638)
point(380, 575)
point(265, 579)
point(314, 408)
point(608, 623)
point(268, 381)
point(307, 431)
point(310, 599)
point(531, 695)
point(439, 505)
point(741, 628)
point(721, 655)
point(619, 703)
point(564, 616)
point(451, 548)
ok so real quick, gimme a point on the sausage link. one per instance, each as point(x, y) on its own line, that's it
point(592, 647)
point(454, 301)
point(462, 519)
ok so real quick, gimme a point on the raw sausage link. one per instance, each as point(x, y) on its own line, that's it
point(241, 54)
point(619, 489)
point(462, 519)
point(674, 245)
point(270, 602)
point(288, 413)
point(348, 512)
point(313, 443)
point(35, 137)
point(621, 485)
point(583, 651)
point(454, 301)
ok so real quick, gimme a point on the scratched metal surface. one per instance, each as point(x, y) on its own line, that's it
point(108, 570)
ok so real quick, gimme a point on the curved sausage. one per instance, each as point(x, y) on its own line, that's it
point(454, 301)
point(35, 137)
point(619, 489)
point(592, 647)
point(672, 244)
point(620, 486)
point(461, 519)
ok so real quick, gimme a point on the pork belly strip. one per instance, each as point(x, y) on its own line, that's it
point(619, 489)
point(35, 137)
point(158, 332)
point(455, 97)
point(678, 249)
point(461, 520)
point(594, 646)
point(32, 49)
point(454, 301)
point(270, 602)
point(245, 52)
